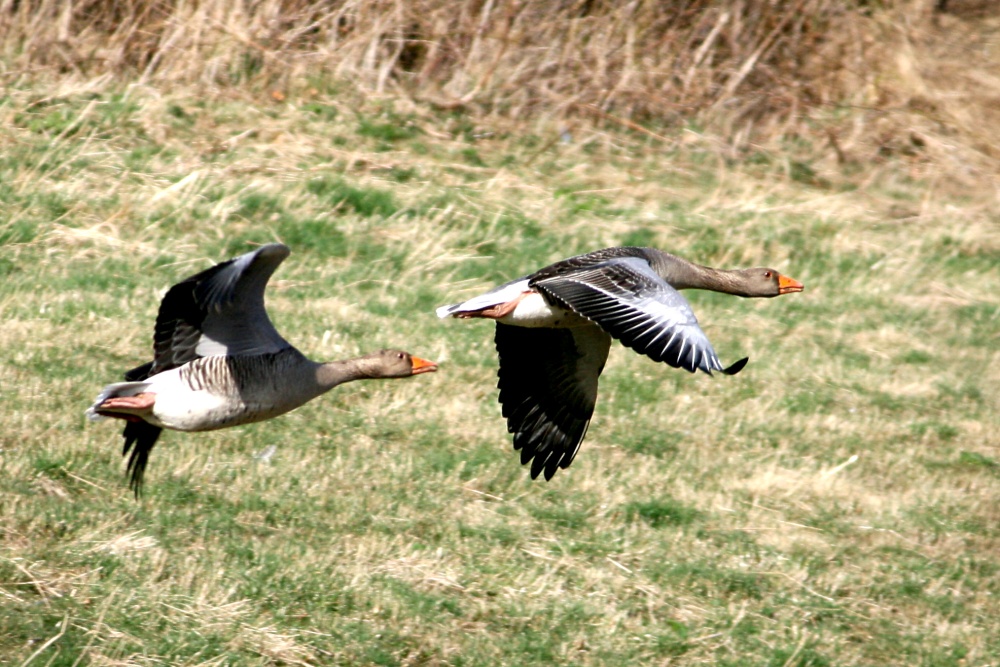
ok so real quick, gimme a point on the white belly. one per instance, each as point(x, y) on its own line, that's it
point(179, 407)
point(534, 311)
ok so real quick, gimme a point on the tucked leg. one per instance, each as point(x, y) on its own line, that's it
point(127, 407)
point(494, 312)
point(143, 401)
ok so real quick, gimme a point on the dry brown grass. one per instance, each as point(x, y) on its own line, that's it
point(839, 85)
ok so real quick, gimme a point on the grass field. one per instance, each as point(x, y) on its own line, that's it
point(837, 503)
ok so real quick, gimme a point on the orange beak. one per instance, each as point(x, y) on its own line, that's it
point(788, 285)
point(422, 365)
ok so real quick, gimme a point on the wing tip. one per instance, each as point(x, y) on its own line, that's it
point(139, 437)
point(736, 367)
point(275, 250)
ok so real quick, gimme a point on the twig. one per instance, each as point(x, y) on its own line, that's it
point(804, 587)
point(49, 642)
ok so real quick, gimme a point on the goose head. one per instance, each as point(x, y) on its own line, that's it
point(396, 364)
point(765, 282)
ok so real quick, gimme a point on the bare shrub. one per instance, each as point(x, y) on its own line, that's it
point(864, 80)
point(634, 59)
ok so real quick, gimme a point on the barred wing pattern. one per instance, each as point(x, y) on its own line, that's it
point(627, 299)
point(548, 390)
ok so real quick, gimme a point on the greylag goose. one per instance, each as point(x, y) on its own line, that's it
point(554, 330)
point(218, 362)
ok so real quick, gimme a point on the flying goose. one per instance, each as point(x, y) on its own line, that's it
point(219, 362)
point(554, 331)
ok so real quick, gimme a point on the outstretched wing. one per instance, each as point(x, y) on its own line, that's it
point(548, 389)
point(219, 311)
point(627, 299)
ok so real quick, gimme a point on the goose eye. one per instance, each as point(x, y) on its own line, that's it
point(399, 355)
point(767, 274)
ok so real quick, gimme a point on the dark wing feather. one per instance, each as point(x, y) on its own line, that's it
point(143, 435)
point(139, 373)
point(626, 298)
point(219, 311)
point(548, 389)
point(139, 436)
point(590, 260)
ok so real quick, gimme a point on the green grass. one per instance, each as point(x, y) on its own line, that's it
point(833, 504)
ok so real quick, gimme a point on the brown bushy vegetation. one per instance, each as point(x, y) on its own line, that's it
point(856, 82)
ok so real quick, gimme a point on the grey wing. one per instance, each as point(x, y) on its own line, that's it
point(219, 311)
point(548, 389)
point(626, 298)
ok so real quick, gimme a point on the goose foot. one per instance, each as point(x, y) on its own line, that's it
point(496, 311)
point(143, 401)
